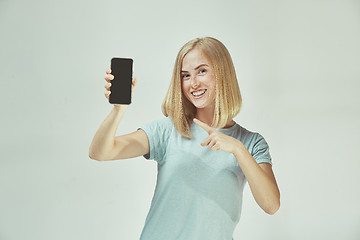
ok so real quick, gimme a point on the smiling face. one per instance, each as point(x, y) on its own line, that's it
point(198, 80)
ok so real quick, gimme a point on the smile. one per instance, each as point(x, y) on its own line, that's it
point(198, 93)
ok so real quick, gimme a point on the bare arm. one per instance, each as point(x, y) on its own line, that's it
point(261, 180)
point(260, 177)
point(103, 142)
point(105, 146)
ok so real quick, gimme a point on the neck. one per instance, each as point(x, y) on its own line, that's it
point(205, 115)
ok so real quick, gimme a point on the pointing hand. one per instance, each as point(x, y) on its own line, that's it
point(217, 140)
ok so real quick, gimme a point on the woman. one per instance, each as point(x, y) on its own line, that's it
point(202, 167)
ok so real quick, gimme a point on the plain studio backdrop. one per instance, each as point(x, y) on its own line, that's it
point(297, 64)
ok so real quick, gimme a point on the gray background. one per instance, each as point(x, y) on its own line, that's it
point(297, 64)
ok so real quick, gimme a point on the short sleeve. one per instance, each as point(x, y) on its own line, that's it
point(158, 133)
point(260, 150)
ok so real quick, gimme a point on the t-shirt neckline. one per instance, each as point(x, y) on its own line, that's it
point(221, 129)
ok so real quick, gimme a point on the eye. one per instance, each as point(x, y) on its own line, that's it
point(185, 76)
point(202, 71)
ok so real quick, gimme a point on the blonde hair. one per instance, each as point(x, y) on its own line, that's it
point(228, 98)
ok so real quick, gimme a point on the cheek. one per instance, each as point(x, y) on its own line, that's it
point(213, 85)
point(213, 93)
point(185, 88)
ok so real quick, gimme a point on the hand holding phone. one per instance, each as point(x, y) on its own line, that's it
point(121, 84)
point(109, 77)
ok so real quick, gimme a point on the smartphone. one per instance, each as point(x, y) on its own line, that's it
point(121, 85)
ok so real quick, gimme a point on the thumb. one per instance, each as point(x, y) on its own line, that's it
point(134, 83)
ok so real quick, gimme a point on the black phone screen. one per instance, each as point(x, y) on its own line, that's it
point(121, 85)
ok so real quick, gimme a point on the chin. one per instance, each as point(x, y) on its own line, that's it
point(200, 106)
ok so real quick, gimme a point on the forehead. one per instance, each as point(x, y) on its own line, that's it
point(193, 59)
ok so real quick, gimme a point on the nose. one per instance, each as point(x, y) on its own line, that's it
point(194, 82)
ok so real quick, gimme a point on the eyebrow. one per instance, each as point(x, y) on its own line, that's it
point(201, 65)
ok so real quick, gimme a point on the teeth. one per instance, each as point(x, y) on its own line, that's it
point(198, 93)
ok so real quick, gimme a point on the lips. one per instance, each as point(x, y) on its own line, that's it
point(198, 93)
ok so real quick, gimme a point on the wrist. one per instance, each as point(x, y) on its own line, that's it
point(120, 106)
point(239, 149)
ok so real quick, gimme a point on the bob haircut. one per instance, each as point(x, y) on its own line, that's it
point(228, 98)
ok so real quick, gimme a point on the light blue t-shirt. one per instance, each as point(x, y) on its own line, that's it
point(198, 193)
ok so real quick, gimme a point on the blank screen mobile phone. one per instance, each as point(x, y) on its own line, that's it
point(121, 85)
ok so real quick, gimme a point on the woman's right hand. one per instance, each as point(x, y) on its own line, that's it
point(108, 77)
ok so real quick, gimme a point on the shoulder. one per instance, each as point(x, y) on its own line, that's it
point(249, 137)
point(164, 122)
point(248, 132)
point(158, 132)
point(160, 127)
point(256, 145)
point(159, 121)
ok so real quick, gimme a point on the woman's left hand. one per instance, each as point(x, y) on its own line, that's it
point(216, 140)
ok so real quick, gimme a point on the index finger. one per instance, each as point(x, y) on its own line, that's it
point(108, 70)
point(206, 127)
